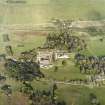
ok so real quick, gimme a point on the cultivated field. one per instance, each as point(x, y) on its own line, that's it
point(40, 11)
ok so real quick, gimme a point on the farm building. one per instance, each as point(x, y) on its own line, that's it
point(46, 58)
point(62, 55)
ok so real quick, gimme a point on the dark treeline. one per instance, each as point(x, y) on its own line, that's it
point(87, 64)
point(24, 71)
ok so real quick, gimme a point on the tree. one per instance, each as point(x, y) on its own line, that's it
point(93, 99)
point(53, 88)
point(2, 78)
point(64, 41)
point(64, 62)
point(28, 55)
point(101, 39)
point(55, 68)
point(7, 89)
point(24, 71)
point(9, 50)
point(43, 98)
point(26, 88)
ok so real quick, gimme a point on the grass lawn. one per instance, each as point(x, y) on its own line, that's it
point(78, 95)
point(66, 72)
point(29, 42)
point(39, 11)
point(95, 47)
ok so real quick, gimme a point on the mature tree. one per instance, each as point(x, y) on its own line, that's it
point(64, 62)
point(7, 89)
point(2, 78)
point(94, 100)
point(26, 88)
point(55, 68)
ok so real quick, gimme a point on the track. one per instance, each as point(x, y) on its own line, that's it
point(90, 85)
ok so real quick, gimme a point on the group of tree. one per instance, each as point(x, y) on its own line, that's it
point(6, 89)
point(64, 41)
point(62, 25)
point(23, 70)
point(62, 38)
point(2, 78)
point(40, 97)
point(30, 55)
point(89, 64)
point(95, 31)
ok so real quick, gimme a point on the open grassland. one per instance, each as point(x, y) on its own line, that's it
point(64, 72)
point(95, 47)
point(80, 95)
point(39, 11)
point(26, 42)
point(29, 42)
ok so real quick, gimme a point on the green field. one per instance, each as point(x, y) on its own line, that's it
point(80, 95)
point(95, 47)
point(39, 11)
point(64, 72)
point(28, 42)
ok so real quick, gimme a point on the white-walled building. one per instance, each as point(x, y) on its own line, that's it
point(47, 57)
